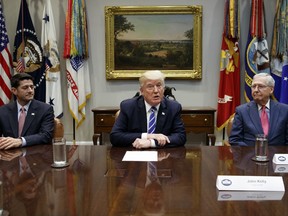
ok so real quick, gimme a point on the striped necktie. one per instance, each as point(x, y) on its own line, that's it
point(152, 171)
point(152, 121)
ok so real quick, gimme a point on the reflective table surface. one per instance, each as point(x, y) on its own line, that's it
point(98, 182)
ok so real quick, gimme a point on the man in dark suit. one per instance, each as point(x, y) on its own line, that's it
point(247, 120)
point(38, 121)
point(132, 125)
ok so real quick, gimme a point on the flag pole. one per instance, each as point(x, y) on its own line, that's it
point(74, 136)
point(223, 135)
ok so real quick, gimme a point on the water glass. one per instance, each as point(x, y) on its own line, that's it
point(261, 148)
point(59, 153)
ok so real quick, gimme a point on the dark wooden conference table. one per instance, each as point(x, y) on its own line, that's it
point(98, 182)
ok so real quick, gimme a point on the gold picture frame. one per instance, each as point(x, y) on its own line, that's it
point(166, 38)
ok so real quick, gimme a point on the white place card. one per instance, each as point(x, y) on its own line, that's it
point(140, 156)
point(280, 168)
point(250, 195)
point(250, 183)
point(280, 158)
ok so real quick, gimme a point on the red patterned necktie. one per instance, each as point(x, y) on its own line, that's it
point(264, 120)
point(21, 120)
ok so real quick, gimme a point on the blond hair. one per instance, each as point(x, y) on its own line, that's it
point(152, 75)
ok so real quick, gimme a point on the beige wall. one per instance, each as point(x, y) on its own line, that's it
point(110, 93)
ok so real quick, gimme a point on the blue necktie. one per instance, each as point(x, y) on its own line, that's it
point(152, 171)
point(152, 121)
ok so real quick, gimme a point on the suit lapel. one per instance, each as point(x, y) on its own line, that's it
point(142, 113)
point(254, 116)
point(161, 116)
point(31, 114)
point(273, 117)
point(13, 119)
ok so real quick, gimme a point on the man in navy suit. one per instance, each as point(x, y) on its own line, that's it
point(247, 122)
point(39, 121)
point(131, 127)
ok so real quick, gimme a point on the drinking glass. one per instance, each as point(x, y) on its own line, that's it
point(261, 148)
point(59, 153)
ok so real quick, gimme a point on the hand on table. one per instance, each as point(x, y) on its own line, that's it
point(9, 142)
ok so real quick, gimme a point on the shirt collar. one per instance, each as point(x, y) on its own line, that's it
point(267, 105)
point(26, 107)
point(148, 106)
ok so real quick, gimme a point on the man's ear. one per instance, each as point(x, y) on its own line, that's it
point(14, 90)
point(272, 90)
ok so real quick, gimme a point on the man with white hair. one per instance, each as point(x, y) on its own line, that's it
point(260, 116)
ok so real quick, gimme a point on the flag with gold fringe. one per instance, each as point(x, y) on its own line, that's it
point(27, 53)
point(257, 58)
point(76, 54)
point(52, 61)
point(229, 85)
point(284, 83)
point(279, 52)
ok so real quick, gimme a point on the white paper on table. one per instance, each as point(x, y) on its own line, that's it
point(140, 156)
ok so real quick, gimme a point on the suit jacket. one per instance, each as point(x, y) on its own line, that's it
point(247, 124)
point(39, 123)
point(132, 122)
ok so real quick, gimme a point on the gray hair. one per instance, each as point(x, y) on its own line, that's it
point(269, 79)
point(152, 75)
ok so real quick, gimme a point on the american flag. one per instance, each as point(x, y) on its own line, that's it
point(5, 62)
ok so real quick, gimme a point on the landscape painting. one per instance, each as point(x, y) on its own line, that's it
point(153, 38)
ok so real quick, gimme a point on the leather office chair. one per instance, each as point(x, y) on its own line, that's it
point(117, 114)
point(58, 129)
point(228, 131)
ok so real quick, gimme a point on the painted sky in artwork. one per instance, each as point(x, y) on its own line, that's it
point(158, 27)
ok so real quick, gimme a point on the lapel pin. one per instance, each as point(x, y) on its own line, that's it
point(32, 114)
point(163, 113)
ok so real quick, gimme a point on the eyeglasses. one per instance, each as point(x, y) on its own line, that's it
point(260, 87)
point(152, 87)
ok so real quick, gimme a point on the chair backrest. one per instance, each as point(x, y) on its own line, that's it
point(117, 114)
point(58, 128)
point(229, 126)
point(168, 93)
point(228, 131)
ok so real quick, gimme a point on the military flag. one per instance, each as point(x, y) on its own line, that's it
point(279, 51)
point(229, 85)
point(76, 54)
point(284, 79)
point(27, 53)
point(52, 61)
point(5, 62)
point(256, 54)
